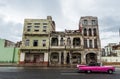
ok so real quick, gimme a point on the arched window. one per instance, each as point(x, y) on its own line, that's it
point(85, 22)
point(76, 42)
point(68, 41)
point(94, 32)
point(61, 42)
point(90, 44)
point(85, 43)
point(90, 32)
point(85, 32)
point(27, 42)
point(54, 42)
point(95, 43)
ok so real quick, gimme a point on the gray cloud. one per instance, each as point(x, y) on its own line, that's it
point(111, 24)
point(10, 30)
point(66, 14)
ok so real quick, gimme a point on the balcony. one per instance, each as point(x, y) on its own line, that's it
point(74, 47)
point(33, 48)
point(36, 33)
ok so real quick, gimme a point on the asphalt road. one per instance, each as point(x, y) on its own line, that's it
point(52, 73)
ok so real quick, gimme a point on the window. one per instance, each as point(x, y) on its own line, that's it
point(90, 43)
point(27, 43)
point(85, 22)
point(44, 28)
point(36, 26)
point(85, 32)
point(61, 42)
point(36, 30)
point(44, 43)
point(93, 22)
point(44, 23)
point(94, 32)
point(90, 32)
point(85, 43)
point(76, 42)
point(36, 23)
point(29, 28)
point(35, 43)
point(54, 42)
point(29, 23)
point(68, 41)
point(95, 43)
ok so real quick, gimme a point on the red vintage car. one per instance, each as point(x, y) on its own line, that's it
point(95, 67)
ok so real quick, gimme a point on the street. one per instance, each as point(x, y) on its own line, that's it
point(51, 73)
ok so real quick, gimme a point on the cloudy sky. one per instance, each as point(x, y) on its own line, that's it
point(66, 14)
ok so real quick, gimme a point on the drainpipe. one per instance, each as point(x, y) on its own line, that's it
point(13, 55)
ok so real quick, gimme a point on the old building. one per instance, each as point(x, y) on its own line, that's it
point(42, 44)
point(90, 32)
point(66, 47)
point(113, 53)
point(108, 50)
point(35, 40)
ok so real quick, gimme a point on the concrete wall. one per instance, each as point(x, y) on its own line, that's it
point(8, 54)
point(110, 59)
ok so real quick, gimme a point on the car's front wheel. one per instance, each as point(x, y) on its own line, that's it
point(110, 71)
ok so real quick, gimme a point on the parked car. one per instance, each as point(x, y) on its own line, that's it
point(96, 67)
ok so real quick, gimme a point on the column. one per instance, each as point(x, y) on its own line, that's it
point(46, 58)
point(71, 42)
point(93, 43)
point(64, 57)
point(60, 58)
point(83, 58)
point(88, 45)
point(59, 40)
point(70, 54)
point(22, 58)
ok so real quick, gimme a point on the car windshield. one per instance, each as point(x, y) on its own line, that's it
point(94, 64)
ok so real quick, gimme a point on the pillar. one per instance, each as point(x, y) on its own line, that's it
point(65, 56)
point(88, 43)
point(59, 40)
point(93, 43)
point(83, 58)
point(46, 58)
point(22, 58)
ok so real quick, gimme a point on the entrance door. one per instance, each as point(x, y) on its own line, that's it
point(36, 58)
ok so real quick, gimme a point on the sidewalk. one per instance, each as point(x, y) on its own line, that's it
point(8, 64)
point(34, 65)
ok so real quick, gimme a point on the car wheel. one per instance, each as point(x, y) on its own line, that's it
point(110, 71)
point(88, 71)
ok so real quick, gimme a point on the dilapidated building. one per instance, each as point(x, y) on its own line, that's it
point(68, 47)
point(92, 45)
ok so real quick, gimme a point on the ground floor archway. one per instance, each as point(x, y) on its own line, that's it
point(91, 57)
point(54, 58)
point(76, 58)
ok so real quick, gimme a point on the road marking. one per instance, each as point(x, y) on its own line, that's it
point(71, 74)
